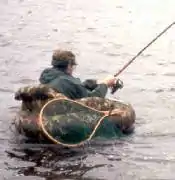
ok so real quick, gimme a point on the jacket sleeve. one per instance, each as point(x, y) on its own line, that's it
point(80, 91)
point(99, 91)
point(75, 90)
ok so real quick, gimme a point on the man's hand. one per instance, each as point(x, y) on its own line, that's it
point(90, 84)
point(113, 83)
point(118, 85)
point(109, 81)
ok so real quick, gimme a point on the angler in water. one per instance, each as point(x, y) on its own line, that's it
point(99, 117)
point(46, 114)
point(60, 78)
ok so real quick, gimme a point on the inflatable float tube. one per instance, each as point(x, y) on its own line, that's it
point(28, 120)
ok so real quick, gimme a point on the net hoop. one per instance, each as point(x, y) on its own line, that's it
point(41, 125)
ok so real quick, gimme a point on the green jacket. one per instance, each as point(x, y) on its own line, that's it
point(68, 85)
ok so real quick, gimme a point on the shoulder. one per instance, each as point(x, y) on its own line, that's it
point(50, 69)
point(70, 79)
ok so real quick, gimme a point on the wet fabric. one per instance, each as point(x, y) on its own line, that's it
point(49, 74)
point(70, 86)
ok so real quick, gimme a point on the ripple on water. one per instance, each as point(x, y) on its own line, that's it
point(51, 162)
point(172, 89)
point(24, 81)
point(151, 74)
point(5, 43)
point(5, 40)
point(6, 90)
point(169, 74)
point(100, 32)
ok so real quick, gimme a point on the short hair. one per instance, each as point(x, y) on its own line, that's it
point(62, 58)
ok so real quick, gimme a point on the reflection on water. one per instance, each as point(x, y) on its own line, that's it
point(104, 35)
point(51, 162)
point(46, 163)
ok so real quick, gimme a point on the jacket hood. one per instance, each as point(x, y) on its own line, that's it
point(49, 75)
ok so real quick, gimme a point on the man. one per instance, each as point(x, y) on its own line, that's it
point(60, 78)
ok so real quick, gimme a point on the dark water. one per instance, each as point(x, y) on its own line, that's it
point(104, 35)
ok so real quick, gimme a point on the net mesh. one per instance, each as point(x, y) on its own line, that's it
point(69, 122)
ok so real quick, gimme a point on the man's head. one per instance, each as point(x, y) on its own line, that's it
point(64, 60)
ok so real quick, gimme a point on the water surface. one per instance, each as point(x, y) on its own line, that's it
point(104, 35)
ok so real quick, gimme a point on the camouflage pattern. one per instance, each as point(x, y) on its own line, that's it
point(34, 97)
point(122, 114)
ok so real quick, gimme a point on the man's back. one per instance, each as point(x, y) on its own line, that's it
point(69, 85)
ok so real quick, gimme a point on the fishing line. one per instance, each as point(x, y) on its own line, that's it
point(142, 50)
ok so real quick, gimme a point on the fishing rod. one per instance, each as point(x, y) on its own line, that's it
point(139, 53)
point(142, 50)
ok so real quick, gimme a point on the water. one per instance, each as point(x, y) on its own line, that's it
point(104, 35)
